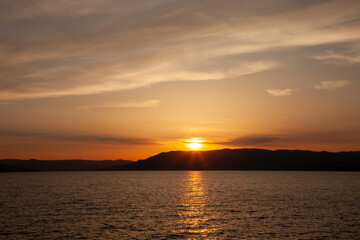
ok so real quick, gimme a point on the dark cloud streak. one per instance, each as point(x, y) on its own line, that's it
point(295, 138)
point(79, 138)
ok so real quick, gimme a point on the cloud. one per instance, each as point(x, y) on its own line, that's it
point(280, 92)
point(340, 58)
point(330, 85)
point(120, 80)
point(296, 138)
point(251, 140)
point(129, 104)
point(60, 48)
point(79, 138)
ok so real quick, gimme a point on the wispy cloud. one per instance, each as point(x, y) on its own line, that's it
point(102, 46)
point(108, 80)
point(330, 85)
point(331, 56)
point(129, 104)
point(280, 92)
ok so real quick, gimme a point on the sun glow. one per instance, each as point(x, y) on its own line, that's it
point(194, 144)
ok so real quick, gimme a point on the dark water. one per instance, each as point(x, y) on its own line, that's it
point(180, 204)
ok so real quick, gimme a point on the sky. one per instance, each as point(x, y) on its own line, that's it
point(106, 79)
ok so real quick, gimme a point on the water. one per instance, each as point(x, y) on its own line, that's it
point(180, 204)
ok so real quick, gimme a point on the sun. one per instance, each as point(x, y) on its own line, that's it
point(194, 144)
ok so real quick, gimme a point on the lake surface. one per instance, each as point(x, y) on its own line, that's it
point(180, 205)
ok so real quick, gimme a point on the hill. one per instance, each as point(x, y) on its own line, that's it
point(7, 165)
point(5, 168)
point(249, 159)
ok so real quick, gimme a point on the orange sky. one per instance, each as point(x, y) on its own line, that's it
point(127, 80)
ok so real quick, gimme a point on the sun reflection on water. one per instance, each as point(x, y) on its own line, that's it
point(194, 213)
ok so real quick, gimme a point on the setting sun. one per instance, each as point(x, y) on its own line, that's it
point(194, 144)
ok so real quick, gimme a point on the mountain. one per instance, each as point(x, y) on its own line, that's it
point(225, 159)
point(16, 165)
point(248, 159)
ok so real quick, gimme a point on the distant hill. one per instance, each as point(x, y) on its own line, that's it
point(248, 159)
point(16, 165)
point(225, 159)
point(5, 168)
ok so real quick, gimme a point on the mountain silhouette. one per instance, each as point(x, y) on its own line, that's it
point(248, 159)
point(16, 165)
point(5, 168)
point(225, 159)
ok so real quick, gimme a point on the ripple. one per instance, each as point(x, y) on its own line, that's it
point(180, 205)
